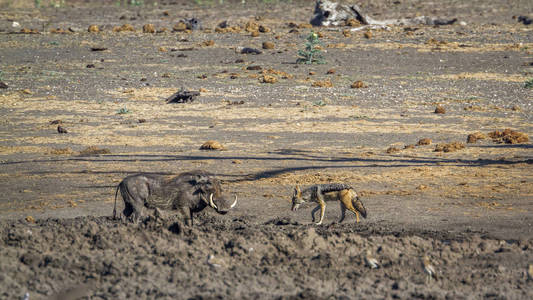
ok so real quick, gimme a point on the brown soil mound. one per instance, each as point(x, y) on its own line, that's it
point(451, 147)
point(509, 136)
point(424, 141)
point(474, 137)
point(93, 150)
point(212, 145)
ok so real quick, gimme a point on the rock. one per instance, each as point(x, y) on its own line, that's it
point(247, 50)
point(183, 96)
point(61, 129)
point(368, 35)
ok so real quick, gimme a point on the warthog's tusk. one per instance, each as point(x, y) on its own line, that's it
point(234, 202)
point(211, 201)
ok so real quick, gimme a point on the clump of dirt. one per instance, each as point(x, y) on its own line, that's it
point(423, 142)
point(264, 29)
point(251, 26)
point(509, 136)
point(440, 109)
point(331, 71)
point(474, 137)
point(180, 27)
point(29, 31)
point(208, 43)
point(268, 45)
point(392, 150)
point(61, 129)
point(255, 34)
point(94, 150)
point(337, 45)
point(61, 151)
point(124, 28)
point(368, 35)
point(58, 31)
point(352, 23)
point(93, 28)
point(358, 85)
point(268, 79)
point(451, 147)
point(283, 75)
point(322, 83)
point(212, 145)
point(149, 28)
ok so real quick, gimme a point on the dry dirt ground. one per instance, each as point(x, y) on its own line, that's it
point(469, 210)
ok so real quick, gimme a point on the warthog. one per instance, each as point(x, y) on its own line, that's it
point(187, 193)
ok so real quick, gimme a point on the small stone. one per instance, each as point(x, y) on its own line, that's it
point(255, 33)
point(208, 43)
point(368, 35)
point(30, 219)
point(331, 71)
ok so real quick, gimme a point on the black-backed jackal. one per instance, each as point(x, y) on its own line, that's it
point(320, 193)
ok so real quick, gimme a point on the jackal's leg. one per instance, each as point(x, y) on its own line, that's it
point(321, 204)
point(346, 200)
point(314, 211)
point(343, 212)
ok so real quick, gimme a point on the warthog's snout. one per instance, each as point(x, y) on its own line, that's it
point(221, 205)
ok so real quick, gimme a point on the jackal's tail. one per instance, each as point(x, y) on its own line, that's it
point(358, 205)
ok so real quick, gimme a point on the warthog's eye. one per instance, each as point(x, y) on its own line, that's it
point(326, 14)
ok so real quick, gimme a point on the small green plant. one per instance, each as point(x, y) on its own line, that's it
point(529, 83)
point(123, 111)
point(319, 103)
point(37, 3)
point(312, 52)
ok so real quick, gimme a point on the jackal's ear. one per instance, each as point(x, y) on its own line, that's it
point(297, 191)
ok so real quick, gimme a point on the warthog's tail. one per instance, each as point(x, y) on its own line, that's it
point(115, 205)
